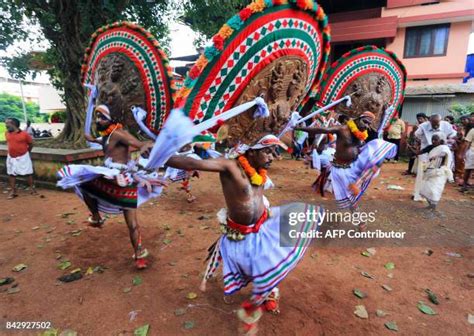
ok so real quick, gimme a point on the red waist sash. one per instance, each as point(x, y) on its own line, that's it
point(245, 229)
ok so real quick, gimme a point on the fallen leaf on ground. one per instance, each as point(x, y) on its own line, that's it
point(428, 252)
point(68, 332)
point(366, 254)
point(137, 280)
point(166, 241)
point(394, 187)
point(35, 228)
point(390, 266)
point(133, 315)
point(172, 263)
point(127, 289)
point(76, 270)
point(361, 312)
point(50, 332)
point(179, 311)
point(19, 267)
point(188, 325)
point(13, 290)
point(98, 269)
point(425, 309)
point(391, 325)
point(380, 313)
point(470, 318)
point(67, 214)
point(70, 277)
point(359, 293)
point(6, 281)
point(454, 254)
point(367, 275)
point(387, 288)
point(89, 271)
point(191, 296)
point(142, 331)
point(76, 233)
point(64, 265)
point(432, 296)
point(372, 250)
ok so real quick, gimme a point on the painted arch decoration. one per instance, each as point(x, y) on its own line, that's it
point(276, 49)
point(128, 67)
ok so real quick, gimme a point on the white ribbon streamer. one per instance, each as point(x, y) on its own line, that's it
point(179, 130)
point(140, 114)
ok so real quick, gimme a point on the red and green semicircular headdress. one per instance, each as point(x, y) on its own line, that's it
point(359, 62)
point(142, 48)
point(259, 34)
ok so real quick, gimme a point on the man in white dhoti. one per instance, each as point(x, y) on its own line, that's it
point(424, 134)
point(437, 171)
point(19, 162)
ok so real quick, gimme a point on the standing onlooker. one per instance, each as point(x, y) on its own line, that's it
point(460, 149)
point(30, 129)
point(412, 148)
point(421, 118)
point(395, 132)
point(450, 119)
point(19, 162)
point(469, 156)
point(434, 125)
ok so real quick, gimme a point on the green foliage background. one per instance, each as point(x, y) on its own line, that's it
point(11, 107)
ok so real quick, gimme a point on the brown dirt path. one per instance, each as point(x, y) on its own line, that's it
point(317, 297)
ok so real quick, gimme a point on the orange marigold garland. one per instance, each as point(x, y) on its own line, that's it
point(255, 178)
point(110, 129)
point(355, 130)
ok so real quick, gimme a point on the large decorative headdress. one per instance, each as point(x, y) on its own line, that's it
point(374, 78)
point(275, 49)
point(126, 65)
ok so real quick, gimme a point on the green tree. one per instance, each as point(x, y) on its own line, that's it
point(67, 25)
point(207, 16)
point(11, 107)
point(458, 110)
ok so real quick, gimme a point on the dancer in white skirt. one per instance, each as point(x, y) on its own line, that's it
point(355, 162)
point(119, 186)
point(250, 248)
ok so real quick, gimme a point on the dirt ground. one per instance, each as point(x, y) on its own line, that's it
point(317, 297)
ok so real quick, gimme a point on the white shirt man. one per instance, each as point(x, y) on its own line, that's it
point(428, 128)
point(424, 133)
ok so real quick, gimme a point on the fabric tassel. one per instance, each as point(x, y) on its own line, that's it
point(139, 114)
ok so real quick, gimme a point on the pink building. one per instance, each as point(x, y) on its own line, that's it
point(430, 37)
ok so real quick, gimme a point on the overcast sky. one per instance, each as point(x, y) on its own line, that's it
point(182, 38)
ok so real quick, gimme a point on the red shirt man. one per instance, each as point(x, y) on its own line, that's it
point(18, 143)
point(18, 159)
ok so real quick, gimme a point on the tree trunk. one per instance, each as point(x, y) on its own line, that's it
point(69, 47)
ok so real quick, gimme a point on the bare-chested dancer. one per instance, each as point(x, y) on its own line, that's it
point(250, 246)
point(114, 188)
point(355, 162)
